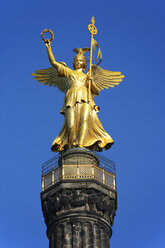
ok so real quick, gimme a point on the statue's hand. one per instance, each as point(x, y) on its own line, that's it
point(89, 78)
point(47, 43)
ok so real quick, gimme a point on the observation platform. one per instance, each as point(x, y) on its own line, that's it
point(69, 166)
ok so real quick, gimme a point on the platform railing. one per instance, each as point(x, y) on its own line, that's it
point(52, 173)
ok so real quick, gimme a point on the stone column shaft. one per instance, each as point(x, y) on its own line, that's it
point(79, 213)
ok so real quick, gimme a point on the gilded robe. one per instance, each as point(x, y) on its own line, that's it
point(81, 127)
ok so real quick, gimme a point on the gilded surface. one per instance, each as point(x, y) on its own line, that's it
point(81, 127)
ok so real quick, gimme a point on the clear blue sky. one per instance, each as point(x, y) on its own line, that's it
point(131, 36)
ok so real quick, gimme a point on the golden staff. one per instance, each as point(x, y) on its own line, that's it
point(93, 31)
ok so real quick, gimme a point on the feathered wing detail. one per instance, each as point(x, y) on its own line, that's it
point(51, 77)
point(104, 79)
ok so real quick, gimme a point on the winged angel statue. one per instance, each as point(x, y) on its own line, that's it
point(81, 127)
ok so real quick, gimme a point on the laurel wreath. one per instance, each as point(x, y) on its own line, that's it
point(47, 31)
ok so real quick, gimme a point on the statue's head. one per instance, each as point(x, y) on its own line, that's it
point(79, 60)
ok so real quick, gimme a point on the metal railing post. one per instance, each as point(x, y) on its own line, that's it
point(103, 175)
point(63, 169)
point(52, 175)
point(43, 182)
point(93, 172)
point(78, 172)
point(114, 181)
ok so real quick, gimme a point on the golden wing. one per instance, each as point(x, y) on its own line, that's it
point(105, 79)
point(51, 77)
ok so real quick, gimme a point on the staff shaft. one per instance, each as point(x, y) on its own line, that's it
point(93, 31)
point(90, 62)
point(90, 67)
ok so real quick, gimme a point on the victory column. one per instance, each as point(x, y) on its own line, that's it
point(79, 197)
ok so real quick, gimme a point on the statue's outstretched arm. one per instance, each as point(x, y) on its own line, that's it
point(62, 68)
point(50, 55)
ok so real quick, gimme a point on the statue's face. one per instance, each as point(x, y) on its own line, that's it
point(79, 63)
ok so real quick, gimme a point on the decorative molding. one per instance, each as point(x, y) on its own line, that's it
point(81, 201)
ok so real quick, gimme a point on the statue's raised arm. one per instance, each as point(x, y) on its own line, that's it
point(54, 76)
point(50, 55)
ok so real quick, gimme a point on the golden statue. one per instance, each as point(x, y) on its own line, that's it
point(81, 127)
